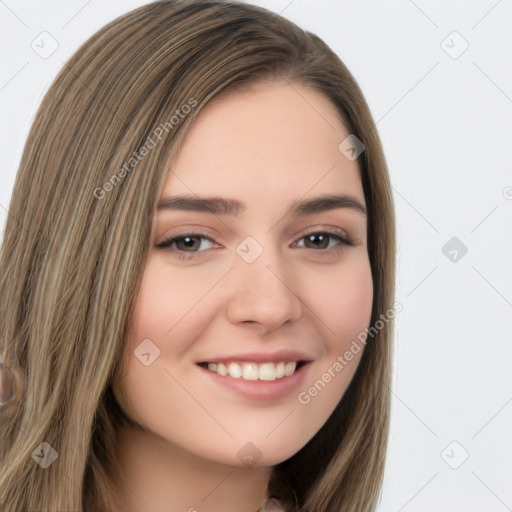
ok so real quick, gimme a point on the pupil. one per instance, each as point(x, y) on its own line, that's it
point(189, 241)
point(318, 238)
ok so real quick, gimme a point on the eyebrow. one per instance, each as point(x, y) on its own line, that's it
point(228, 206)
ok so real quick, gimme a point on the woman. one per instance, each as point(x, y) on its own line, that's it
point(197, 260)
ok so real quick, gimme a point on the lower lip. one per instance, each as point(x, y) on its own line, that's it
point(261, 389)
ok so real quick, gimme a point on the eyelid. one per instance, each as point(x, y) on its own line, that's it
point(344, 241)
point(330, 230)
point(184, 234)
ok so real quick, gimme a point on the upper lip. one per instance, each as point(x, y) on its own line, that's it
point(282, 355)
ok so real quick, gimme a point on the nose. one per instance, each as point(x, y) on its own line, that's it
point(262, 293)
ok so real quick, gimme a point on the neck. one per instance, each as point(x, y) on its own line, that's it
point(157, 475)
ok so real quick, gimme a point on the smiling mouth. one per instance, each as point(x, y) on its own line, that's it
point(254, 371)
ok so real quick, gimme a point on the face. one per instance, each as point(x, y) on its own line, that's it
point(270, 272)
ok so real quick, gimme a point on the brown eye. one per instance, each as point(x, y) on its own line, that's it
point(317, 241)
point(189, 242)
point(323, 241)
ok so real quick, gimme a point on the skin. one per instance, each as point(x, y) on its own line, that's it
point(266, 146)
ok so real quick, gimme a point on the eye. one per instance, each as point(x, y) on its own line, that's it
point(187, 242)
point(325, 240)
point(185, 245)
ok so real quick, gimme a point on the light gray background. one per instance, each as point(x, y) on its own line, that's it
point(445, 119)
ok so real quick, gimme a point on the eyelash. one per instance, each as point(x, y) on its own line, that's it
point(185, 255)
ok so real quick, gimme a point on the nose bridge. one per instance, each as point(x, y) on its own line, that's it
point(262, 290)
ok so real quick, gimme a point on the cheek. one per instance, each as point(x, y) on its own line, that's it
point(351, 304)
point(171, 304)
point(166, 313)
point(341, 300)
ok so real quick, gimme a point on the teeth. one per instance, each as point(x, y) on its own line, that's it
point(289, 368)
point(268, 371)
point(250, 371)
point(254, 371)
point(234, 370)
point(221, 369)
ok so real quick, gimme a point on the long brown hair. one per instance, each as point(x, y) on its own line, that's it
point(77, 237)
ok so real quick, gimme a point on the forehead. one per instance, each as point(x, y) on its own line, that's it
point(273, 140)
